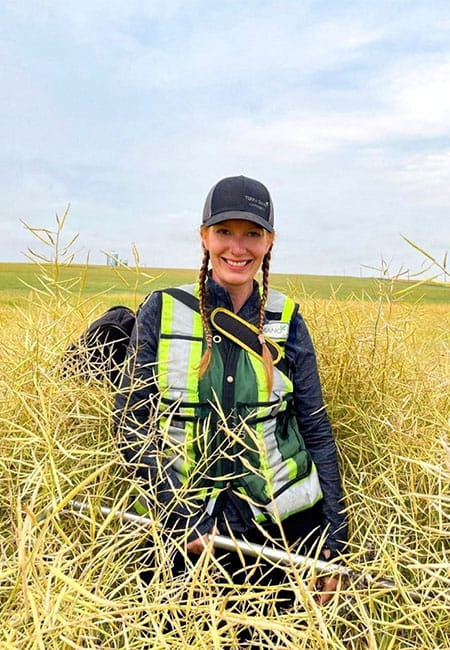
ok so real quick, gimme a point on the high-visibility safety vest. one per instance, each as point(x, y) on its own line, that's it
point(225, 431)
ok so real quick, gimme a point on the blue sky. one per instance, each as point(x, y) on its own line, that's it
point(130, 111)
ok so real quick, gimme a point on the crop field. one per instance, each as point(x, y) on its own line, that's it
point(129, 283)
point(72, 580)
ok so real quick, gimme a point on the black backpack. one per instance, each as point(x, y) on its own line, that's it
point(100, 351)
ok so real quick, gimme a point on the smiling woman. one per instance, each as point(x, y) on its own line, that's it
point(236, 250)
point(225, 426)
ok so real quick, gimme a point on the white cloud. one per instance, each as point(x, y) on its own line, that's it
point(424, 178)
point(130, 110)
point(424, 94)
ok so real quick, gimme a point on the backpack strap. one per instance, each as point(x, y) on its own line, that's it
point(183, 296)
point(242, 333)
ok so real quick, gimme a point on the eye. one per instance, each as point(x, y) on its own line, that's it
point(254, 233)
point(222, 231)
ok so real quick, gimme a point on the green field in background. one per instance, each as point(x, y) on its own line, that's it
point(16, 280)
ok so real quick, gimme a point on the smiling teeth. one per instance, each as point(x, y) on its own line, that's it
point(237, 263)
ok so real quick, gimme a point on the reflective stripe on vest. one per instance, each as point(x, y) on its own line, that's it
point(178, 372)
point(276, 484)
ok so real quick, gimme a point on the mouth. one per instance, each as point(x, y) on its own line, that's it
point(236, 264)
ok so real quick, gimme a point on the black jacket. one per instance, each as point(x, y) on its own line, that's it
point(133, 410)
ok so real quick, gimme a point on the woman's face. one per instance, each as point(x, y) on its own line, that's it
point(236, 249)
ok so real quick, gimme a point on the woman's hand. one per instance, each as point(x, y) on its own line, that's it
point(327, 585)
point(197, 546)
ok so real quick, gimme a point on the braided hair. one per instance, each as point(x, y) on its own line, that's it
point(203, 273)
point(265, 352)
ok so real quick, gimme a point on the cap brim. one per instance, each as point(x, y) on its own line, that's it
point(238, 214)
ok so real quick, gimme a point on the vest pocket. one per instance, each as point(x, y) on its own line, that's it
point(254, 412)
point(185, 411)
point(287, 435)
point(276, 452)
point(302, 462)
point(265, 489)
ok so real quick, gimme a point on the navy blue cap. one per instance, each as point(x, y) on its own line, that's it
point(239, 197)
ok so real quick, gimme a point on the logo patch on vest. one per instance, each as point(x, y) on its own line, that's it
point(276, 330)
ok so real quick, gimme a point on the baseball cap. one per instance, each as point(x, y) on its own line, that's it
point(239, 197)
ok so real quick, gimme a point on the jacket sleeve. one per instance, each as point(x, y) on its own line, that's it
point(316, 431)
point(135, 421)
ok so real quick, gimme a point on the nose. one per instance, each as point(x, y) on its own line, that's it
point(237, 245)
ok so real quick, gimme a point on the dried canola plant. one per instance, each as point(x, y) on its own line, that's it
point(72, 580)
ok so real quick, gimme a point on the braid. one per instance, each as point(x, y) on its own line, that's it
point(265, 290)
point(206, 358)
point(267, 357)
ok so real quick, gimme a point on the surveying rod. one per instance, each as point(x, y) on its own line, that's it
point(251, 549)
point(274, 555)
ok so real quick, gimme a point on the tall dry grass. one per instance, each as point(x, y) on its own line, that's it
point(72, 580)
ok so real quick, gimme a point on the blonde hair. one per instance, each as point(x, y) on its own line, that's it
point(265, 352)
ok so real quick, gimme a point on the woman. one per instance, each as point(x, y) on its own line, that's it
point(241, 443)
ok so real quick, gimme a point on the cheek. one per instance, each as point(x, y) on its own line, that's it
point(264, 248)
point(213, 246)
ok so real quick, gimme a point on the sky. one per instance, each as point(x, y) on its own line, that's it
point(130, 110)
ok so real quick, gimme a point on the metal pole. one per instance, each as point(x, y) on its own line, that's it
point(251, 549)
point(274, 555)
